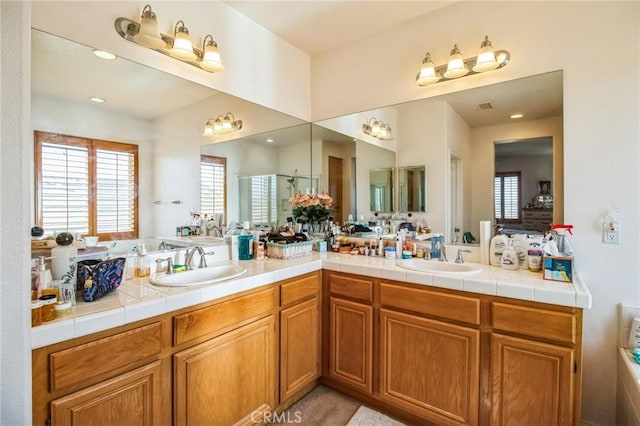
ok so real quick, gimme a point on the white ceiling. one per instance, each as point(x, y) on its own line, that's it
point(67, 70)
point(319, 26)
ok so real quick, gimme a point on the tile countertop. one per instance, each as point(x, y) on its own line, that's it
point(137, 298)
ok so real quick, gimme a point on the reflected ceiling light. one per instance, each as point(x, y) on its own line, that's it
point(96, 99)
point(147, 34)
point(222, 124)
point(516, 116)
point(269, 140)
point(182, 48)
point(457, 66)
point(377, 128)
point(102, 54)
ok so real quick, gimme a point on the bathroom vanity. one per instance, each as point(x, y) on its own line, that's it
point(492, 348)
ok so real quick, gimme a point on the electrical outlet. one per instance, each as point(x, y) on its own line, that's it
point(611, 233)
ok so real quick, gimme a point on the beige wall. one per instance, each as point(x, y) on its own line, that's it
point(601, 132)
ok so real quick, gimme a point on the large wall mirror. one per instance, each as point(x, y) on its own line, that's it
point(451, 140)
point(164, 116)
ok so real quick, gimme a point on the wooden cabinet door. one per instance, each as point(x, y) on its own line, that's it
point(430, 368)
point(228, 380)
point(351, 344)
point(299, 347)
point(532, 382)
point(131, 398)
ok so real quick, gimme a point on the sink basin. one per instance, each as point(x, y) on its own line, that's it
point(208, 275)
point(437, 267)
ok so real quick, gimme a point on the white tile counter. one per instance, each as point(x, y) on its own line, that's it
point(137, 299)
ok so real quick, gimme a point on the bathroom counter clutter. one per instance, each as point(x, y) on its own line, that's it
point(137, 299)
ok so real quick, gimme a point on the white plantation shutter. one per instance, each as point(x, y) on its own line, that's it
point(213, 187)
point(115, 191)
point(506, 189)
point(64, 188)
point(86, 186)
point(263, 199)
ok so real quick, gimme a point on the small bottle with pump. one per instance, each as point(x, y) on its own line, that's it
point(497, 246)
point(44, 275)
point(509, 258)
point(143, 268)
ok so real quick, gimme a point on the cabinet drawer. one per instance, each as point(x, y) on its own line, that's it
point(361, 289)
point(82, 362)
point(298, 289)
point(218, 317)
point(533, 214)
point(458, 308)
point(535, 322)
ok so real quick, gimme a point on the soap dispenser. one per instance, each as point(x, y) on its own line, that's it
point(44, 275)
point(143, 268)
point(509, 259)
point(65, 257)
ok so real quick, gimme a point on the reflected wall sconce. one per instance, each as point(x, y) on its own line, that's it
point(147, 33)
point(377, 129)
point(457, 66)
point(222, 124)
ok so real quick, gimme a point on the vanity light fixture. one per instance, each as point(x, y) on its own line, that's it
point(222, 124)
point(514, 116)
point(147, 34)
point(96, 99)
point(457, 66)
point(182, 48)
point(378, 129)
point(269, 140)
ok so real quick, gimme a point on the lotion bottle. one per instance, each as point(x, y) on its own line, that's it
point(509, 258)
point(44, 275)
point(65, 255)
point(498, 244)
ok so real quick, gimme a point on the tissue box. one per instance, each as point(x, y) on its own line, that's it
point(557, 268)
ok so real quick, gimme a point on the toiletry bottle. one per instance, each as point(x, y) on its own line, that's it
point(509, 258)
point(44, 275)
point(143, 267)
point(634, 334)
point(521, 246)
point(65, 256)
point(245, 243)
point(498, 244)
point(436, 241)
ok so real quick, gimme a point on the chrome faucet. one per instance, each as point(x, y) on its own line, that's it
point(169, 264)
point(459, 258)
point(188, 259)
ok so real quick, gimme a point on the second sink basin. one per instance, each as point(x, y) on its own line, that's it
point(437, 267)
point(207, 275)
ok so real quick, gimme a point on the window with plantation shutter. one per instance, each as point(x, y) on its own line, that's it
point(86, 185)
point(213, 186)
point(263, 200)
point(506, 195)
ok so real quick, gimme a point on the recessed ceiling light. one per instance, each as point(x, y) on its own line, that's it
point(96, 99)
point(517, 115)
point(269, 140)
point(102, 54)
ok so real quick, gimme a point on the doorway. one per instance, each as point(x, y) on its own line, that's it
point(335, 187)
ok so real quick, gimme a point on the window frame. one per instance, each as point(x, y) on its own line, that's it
point(92, 146)
point(502, 175)
point(212, 159)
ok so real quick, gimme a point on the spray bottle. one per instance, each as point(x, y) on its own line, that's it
point(559, 234)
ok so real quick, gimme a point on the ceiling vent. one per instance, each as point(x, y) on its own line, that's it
point(486, 105)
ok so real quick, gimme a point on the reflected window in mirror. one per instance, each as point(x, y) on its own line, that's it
point(258, 203)
point(411, 189)
point(87, 186)
point(213, 187)
point(506, 192)
point(381, 190)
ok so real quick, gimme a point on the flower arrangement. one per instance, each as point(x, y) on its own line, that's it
point(311, 208)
